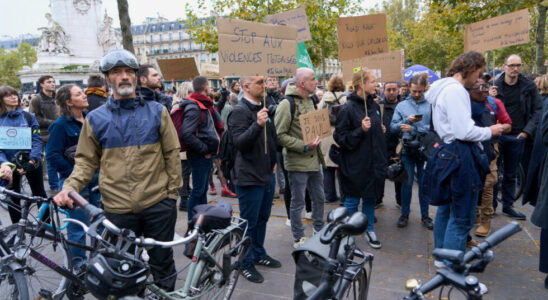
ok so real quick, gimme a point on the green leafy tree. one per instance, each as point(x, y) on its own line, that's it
point(322, 19)
point(12, 62)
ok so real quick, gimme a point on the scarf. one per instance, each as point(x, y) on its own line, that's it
point(97, 91)
point(219, 124)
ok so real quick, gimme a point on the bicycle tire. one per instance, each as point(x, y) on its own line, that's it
point(357, 290)
point(40, 277)
point(520, 182)
point(13, 284)
point(207, 281)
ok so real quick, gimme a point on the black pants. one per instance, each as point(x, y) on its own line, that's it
point(184, 192)
point(543, 266)
point(36, 185)
point(330, 188)
point(157, 222)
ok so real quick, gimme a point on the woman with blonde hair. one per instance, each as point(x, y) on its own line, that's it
point(183, 90)
point(332, 99)
point(359, 132)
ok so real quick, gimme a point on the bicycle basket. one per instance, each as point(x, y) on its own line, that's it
point(311, 262)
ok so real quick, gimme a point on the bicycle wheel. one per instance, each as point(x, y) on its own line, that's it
point(210, 283)
point(12, 284)
point(358, 288)
point(519, 182)
point(39, 276)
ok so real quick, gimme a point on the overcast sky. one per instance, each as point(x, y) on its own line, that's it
point(25, 16)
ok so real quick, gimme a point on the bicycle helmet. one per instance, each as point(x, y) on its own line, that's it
point(109, 276)
point(118, 58)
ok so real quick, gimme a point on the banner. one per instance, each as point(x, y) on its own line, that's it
point(314, 124)
point(386, 66)
point(297, 18)
point(362, 36)
point(303, 59)
point(251, 48)
point(498, 32)
point(178, 68)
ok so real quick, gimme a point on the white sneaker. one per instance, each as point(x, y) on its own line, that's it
point(299, 242)
point(439, 264)
point(483, 288)
point(308, 215)
point(372, 240)
point(288, 222)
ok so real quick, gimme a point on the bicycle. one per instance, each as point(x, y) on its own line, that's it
point(213, 270)
point(333, 261)
point(40, 251)
point(457, 273)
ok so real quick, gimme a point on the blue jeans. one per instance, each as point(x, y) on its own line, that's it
point(200, 169)
point(255, 206)
point(511, 150)
point(368, 208)
point(53, 177)
point(75, 232)
point(451, 230)
point(407, 187)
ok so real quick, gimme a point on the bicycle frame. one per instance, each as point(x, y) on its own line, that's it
point(42, 213)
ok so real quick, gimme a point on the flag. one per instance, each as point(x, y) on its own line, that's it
point(303, 59)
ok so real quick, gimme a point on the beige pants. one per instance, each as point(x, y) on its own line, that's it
point(485, 209)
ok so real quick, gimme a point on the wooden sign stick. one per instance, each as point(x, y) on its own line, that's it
point(364, 97)
point(264, 106)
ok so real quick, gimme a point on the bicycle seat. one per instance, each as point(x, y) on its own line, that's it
point(453, 256)
point(337, 214)
point(216, 216)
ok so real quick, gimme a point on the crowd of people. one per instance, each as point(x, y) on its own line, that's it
point(147, 148)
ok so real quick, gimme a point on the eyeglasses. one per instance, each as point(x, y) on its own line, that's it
point(481, 88)
point(514, 66)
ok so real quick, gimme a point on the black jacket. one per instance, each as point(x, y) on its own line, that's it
point(531, 102)
point(252, 166)
point(222, 101)
point(198, 131)
point(151, 95)
point(540, 214)
point(95, 101)
point(363, 160)
point(392, 139)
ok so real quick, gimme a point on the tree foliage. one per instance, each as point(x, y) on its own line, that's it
point(13, 61)
point(322, 18)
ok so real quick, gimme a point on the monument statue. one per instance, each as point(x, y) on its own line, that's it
point(106, 35)
point(54, 40)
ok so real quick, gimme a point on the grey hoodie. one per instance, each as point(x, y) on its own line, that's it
point(451, 112)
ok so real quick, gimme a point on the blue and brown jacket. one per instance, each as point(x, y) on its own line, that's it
point(135, 145)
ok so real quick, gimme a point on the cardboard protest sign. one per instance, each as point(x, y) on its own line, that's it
point(15, 138)
point(498, 32)
point(362, 36)
point(297, 18)
point(386, 66)
point(209, 70)
point(251, 48)
point(315, 124)
point(178, 68)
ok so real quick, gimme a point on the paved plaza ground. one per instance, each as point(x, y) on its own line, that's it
point(405, 253)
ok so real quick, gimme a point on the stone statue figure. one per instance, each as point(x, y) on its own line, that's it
point(106, 35)
point(54, 40)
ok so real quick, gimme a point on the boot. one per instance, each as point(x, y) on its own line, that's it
point(212, 190)
point(226, 192)
point(484, 228)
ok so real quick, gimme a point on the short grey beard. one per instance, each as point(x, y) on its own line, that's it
point(125, 91)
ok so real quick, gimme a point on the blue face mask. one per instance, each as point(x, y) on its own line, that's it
point(477, 108)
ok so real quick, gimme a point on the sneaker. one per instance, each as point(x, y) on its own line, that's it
point(269, 262)
point(226, 192)
point(299, 242)
point(483, 288)
point(439, 264)
point(512, 213)
point(308, 215)
point(372, 240)
point(288, 222)
point(427, 223)
point(402, 221)
point(212, 190)
point(251, 274)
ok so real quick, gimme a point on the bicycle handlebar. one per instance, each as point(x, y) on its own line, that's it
point(11, 193)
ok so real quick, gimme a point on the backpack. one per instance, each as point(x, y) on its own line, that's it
point(333, 110)
point(177, 117)
point(227, 152)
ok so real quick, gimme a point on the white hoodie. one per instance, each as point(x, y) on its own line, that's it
point(451, 112)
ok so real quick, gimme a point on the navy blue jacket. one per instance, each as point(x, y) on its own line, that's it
point(63, 134)
point(16, 118)
point(198, 130)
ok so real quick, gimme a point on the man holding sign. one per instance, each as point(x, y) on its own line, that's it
point(302, 161)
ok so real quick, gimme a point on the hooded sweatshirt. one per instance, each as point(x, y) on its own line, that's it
point(451, 112)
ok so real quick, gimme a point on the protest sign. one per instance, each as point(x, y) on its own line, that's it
point(362, 36)
point(209, 70)
point(315, 124)
point(178, 68)
point(251, 48)
point(15, 138)
point(386, 66)
point(498, 32)
point(297, 18)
